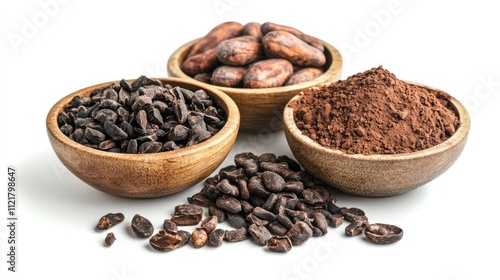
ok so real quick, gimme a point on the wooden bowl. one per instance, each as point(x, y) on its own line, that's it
point(375, 175)
point(145, 175)
point(262, 109)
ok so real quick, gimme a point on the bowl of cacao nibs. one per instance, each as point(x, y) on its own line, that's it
point(143, 138)
point(260, 66)
point(374, 135)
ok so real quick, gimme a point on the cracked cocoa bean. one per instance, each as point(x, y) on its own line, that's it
point(109, 220)
point(355, 228)
point(109, 239)
point(199, 238)
point(235, 235)
point(165, 241)
point(170, 117)
point(279, 244)
point(260, 234)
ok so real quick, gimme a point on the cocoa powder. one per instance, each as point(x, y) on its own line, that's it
point(373, 112)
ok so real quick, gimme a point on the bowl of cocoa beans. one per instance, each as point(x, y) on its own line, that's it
point(144, 137)
point(261, 66)
point(374, 135)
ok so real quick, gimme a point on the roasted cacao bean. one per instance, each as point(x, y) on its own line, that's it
point(279, 244)
point(142, 227)
point(383, 233)
point(109, 220)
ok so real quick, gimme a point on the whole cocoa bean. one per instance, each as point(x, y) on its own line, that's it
point(203, 77)
point(200, 62)
point(216, 35)
point(253, 29)
point(259, 233)
point(383, 233)
point(228, 203)
point(276, 228)
point(228, 76)
point(267, 73)
point(304, 75)
point(239, 51)
point(236, 220)
point(313, 41)
point(216, 237)
point(272, 181)
point(299, 233)
point(282, 44)
point(141, 226)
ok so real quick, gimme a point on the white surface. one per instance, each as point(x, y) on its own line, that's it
point(451, 224)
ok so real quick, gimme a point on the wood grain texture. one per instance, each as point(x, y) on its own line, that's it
point(376, 175)
point(145, 175)
point(262, 109)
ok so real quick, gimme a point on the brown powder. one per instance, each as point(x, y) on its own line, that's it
point(375, 113)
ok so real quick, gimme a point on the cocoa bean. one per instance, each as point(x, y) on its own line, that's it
point(239, 51)
point(313, 41)
point(199, 238)
point(228, 76)
point(267, 73)
point(282, 44)
point(304, 75)
point(200, 63)
point(203, 77)
point(216, 35)
point(253, 29)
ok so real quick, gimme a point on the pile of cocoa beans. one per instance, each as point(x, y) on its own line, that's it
point(255, 55)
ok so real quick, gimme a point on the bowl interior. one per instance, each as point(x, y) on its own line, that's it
point(332, 70)
point(145, 175)
point(376, 175)
point(262, 109)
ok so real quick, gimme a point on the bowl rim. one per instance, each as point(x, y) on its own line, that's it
point(460, 134)
point(231, 126)
point(334, 70)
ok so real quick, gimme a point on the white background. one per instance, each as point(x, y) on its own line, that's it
point(51, 48)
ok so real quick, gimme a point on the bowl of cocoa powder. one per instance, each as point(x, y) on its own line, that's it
point(144, 137)
point(374, 135)
point(260, 66)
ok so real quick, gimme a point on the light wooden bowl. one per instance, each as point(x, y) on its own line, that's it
point(262, 109)
point(375, 175)
point(145, 175)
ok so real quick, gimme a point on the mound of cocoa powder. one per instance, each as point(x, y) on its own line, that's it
point(373, 112)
